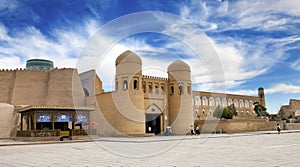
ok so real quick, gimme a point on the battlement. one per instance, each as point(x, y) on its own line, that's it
point(154, 78)
point(24, 69)
point(54, 87)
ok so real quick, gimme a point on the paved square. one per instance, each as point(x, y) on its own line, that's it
point(217, 150)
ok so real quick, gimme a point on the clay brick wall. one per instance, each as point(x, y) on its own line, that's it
point(9, 119)
point(118, 123)
point(293, 126)
point(29, 87)
point(59, 87)
point(7, 79)
point(236, 126)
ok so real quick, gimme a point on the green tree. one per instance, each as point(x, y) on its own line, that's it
point(218, 112)
point(226, 113)
point(232, 110)
point(260, 110)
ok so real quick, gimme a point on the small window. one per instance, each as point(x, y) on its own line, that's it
point(156, 89)
point(150, 88)
point(125, 85)
point(172, 90)
point(135, 84)
point(116, 85)
point(162, 90)
point(180, 90)
point(189, 89)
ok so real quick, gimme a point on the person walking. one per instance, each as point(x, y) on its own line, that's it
point(278, 128)
point(197, 130)
point(192, 130)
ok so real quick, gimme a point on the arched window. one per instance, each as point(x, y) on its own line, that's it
point(189, 89)
point(242, 103)
point(197, 100)
point(180, 90)
point(224, 103)
point(211, 101)
point(218, 102)
point(156, 89)
point(172, 90)
point(229, 101)
point(251, 103)
point(246, 104)
point(150, 88)
point(125, 85)
point(135, 84)
point(204, 101)
point(162, 90)
point(236, 103)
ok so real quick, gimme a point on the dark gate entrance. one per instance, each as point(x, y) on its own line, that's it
point(153, 123)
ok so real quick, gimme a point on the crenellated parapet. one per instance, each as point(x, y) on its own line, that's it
point(155, 78)
point(24, 69)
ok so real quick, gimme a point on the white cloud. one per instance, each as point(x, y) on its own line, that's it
point(296, 65)
point(233, 15)
point(31, 43)
point(283, 88)
point(9, 62)
point(277, 88)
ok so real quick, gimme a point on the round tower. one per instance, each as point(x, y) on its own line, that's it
point(39, 64)
point(261, 96)
point(180, 97)
point(129, 96)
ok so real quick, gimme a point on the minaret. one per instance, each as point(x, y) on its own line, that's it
point(180, 97)
point(261, 96)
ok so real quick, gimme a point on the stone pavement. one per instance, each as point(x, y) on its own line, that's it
point(243, 149)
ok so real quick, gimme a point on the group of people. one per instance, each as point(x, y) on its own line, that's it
point(197, 130)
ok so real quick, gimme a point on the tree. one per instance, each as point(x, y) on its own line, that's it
point(232, 110)
point(226, 113)
point(218, 112)
point(260, 110)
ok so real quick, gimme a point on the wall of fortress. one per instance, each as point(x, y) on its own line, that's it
point(205, 103)
point(8, 121)
point(114, 120)
point(236, 126)
point(34, 87)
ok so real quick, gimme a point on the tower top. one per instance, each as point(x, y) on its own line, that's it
point(39, 64)
point(260, 89)
point(179, 65)
point(128, 57)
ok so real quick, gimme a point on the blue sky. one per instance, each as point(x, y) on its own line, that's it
point(257, 43)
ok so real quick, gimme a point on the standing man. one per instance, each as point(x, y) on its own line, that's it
point(278, 128)
point(192, 130)
point(197, 130)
